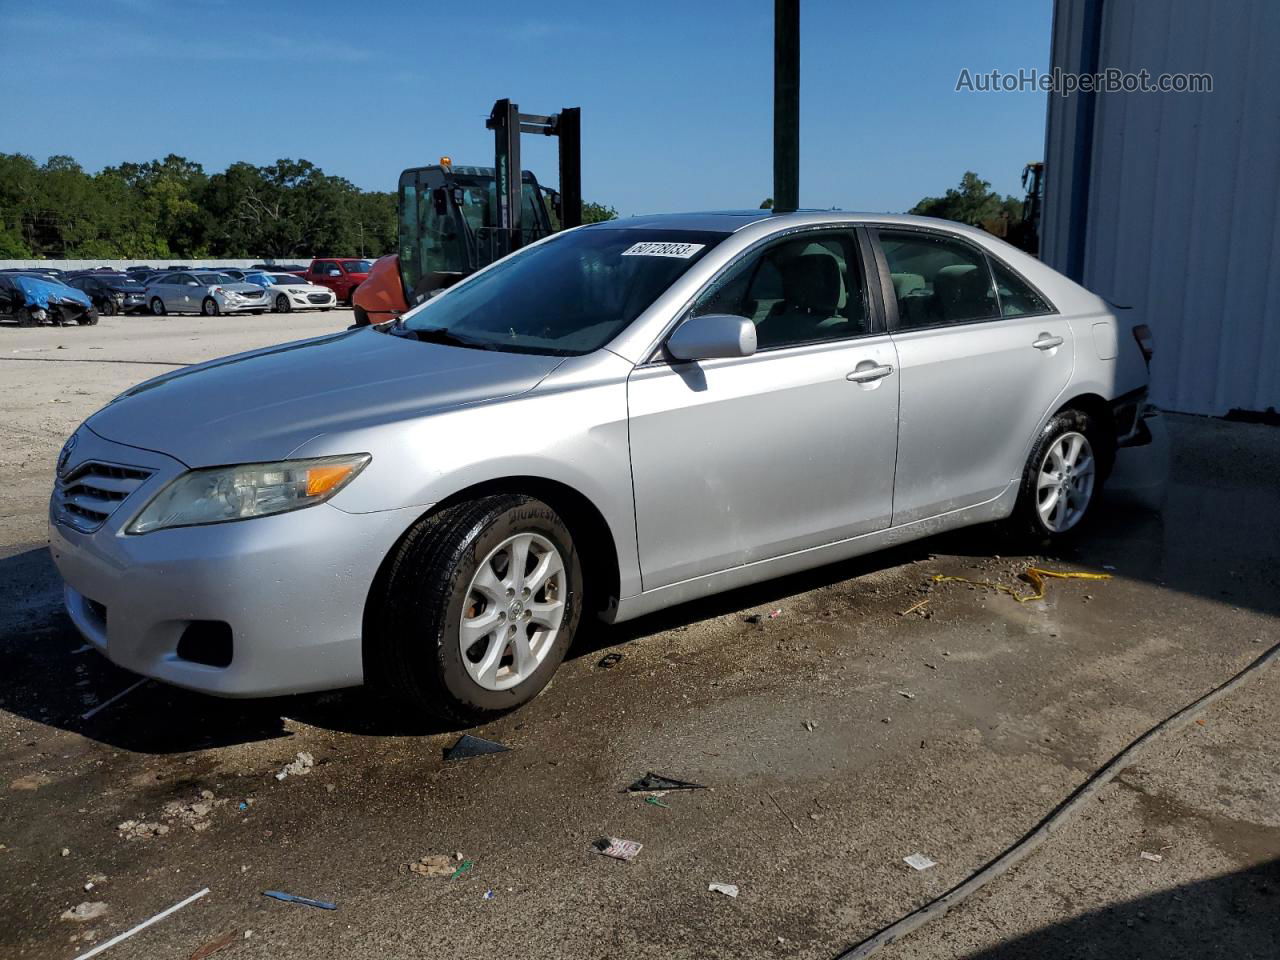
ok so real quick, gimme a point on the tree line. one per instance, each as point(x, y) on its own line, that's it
point(174, 208)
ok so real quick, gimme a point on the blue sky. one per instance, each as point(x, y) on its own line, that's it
point(676, 97)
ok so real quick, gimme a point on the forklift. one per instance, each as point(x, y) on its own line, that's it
point(454, 220)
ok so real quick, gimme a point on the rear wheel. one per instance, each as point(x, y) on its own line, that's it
point(210, 307)
point(476, 608)
point(282, 304)
point(1063, 477)
point(157, 307)
point(108, 308)
point(89, 319)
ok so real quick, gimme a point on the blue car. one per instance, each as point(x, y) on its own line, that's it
point(32, 299)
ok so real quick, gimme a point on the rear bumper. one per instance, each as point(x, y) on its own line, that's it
point(1141, 471)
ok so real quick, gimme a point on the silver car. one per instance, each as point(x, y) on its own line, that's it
point(616, 419)
point(204, 291)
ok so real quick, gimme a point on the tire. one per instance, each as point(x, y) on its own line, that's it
point(89, 319)
point(1055, 504)
point(257, 313)
point(210, 307)
point(414, 646)
point(25, 319)
point(108, 308)
point(157, 307)
point(282, 304)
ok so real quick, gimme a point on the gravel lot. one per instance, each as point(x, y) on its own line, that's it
point(837, 738)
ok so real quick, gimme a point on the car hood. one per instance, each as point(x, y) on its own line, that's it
point(261, 406)
point(243, 288)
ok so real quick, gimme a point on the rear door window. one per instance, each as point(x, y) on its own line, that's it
point(1017, 297)
point(937, 280)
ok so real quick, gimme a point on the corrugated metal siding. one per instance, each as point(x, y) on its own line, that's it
point(1184, 196)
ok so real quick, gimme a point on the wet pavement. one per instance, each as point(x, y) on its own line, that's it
point(835, 739)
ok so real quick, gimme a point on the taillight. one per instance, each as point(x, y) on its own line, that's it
point(1142, 333)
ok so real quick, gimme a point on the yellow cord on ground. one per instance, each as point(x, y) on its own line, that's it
point(1035, 575)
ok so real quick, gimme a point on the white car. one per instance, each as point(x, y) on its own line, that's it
point(287, 291)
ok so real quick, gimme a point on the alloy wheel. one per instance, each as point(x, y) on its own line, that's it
point(1064, 485)
point(513, 611)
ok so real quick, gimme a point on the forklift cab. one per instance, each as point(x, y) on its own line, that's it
point(448, 224)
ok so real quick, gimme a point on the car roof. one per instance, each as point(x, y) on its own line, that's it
point(731, 221)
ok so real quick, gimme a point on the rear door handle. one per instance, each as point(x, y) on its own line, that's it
point(866, 374)
point(1046, 342)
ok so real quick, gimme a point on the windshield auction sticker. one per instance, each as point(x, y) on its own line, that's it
point(653, 248)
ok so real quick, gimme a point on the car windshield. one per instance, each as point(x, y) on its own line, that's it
point(261, 279)
point(285, 279)
point(214, 278)
point(570, 295)
point(356, 266)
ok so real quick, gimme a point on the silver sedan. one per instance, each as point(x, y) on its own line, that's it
point(616, 419)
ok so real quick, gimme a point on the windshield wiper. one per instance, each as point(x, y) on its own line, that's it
point(437, 335)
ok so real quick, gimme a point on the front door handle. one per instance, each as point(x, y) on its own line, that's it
point(1046, 342)
point(867, 371)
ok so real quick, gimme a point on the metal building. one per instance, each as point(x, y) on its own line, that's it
point(1170, 202)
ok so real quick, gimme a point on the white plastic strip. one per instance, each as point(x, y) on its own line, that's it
point(143, 925)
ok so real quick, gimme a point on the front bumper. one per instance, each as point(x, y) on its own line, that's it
point(229, 305)
point(291, 587)
point(303, 301)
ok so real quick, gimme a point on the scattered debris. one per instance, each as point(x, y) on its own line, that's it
point(194, 814)
point(810, 726)
point(143, 925)
point(294, 898)
point(300, 766)
point(914, 607)
point(110, 700)
point(610, 660)
point(242, 805)
point(652, 782)
point(728, 889)
point(433, 865)
point(66, 851)
point(655, 802)
point(624, 850)
point(1036, 576)
point(774, 615)
point(469, 746)
point(794, 825)
point(752, 618)
point(85, 911)
point(216, 944)
point(463, 867)
point(1153, 857)
point(918, 861)
point(140, 830)
point(906, 693)
point(488, 894)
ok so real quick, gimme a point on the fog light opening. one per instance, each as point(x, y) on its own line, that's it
point(206, 642)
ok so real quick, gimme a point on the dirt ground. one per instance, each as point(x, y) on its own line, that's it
point(835, 739)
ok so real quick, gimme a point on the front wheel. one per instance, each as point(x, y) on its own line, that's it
point(1063, 476)
point(210, 307)
point(108, 308)
point(282, 304)
point(475, 608)
point(157, 307)
point(89, 319)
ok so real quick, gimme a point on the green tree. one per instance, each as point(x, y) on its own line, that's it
point(767, 203)
point(597, 212)
point(974, 203)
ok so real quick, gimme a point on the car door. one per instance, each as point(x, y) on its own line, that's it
point(744, 459)
point(185, 294)
point(320, 274)
point(980, 368)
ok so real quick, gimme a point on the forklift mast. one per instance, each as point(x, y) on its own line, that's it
point(507, 123)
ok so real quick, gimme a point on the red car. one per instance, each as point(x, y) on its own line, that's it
point(340, 274)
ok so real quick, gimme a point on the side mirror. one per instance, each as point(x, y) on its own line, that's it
point(713, 336)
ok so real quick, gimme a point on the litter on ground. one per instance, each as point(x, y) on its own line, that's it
point(300, 765)
point(143, 925)
point(216, 944)
point(610, 660)
point(728, 889)
point(85, 911)
point(294, 898)
point(1153, 857)
point(918, 861)
point(110, 700)
point(625, 850)
point(655, 802)
point(469, 746)
point(653, 782)
point(433, 865)
point(1036, 576)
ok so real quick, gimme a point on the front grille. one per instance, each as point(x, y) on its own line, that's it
point(318, 297)
point(92, 491)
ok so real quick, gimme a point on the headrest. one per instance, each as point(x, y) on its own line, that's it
point(812, 282)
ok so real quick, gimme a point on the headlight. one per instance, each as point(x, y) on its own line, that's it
point(250, 490)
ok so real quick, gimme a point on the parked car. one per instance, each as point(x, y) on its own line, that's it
point(33, 299)
point(340, 274)
point(298, 268)
point(112, 293)
point(609, 421)
point(287, 292)
point(203, 292)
